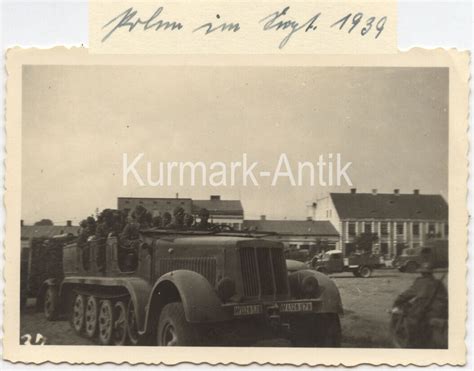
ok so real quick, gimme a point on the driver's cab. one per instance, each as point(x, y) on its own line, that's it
point(332, 261)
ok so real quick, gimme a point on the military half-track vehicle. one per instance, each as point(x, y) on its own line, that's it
point(192, 288)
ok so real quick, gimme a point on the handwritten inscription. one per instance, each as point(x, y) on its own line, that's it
point(128, 19)
point(209, 27)
point(279, 21)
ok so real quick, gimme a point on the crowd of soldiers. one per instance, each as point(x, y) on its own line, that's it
point(127, 225)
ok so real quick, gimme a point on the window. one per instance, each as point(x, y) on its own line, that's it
point(352, 229)
point(384, 248)
point(400, 228)
point(384, 228)
point(368, 227)
point(446, 230)
point(431, 229)
point(416, 229)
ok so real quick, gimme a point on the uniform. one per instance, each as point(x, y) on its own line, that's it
point(425, 303)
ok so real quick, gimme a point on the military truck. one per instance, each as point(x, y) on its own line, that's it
point(434, 251)
point(192, 288)
point(333, 261)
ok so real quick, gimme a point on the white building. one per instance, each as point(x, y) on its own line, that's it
point(398, 220)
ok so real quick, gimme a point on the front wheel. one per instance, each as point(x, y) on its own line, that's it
point(328, 332)
point(365, 272)
point(173, 329)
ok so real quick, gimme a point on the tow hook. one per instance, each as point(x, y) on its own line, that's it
point(274, 317)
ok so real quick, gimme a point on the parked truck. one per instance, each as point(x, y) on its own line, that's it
point(434, 251)
point(191, 288)
point(333, 261)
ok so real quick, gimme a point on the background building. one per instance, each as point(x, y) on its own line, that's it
point(228, 212)
point(28, 232)
point(298, 234)
point(398, 220)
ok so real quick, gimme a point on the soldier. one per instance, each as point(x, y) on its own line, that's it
point(178, 218)
point(204, 219)
point(425, 305)
point(105, 223)
point(188, 220)
point(166, 220)
point(157, 221)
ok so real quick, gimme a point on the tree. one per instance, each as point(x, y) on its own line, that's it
point(365, 241)
point(45, 222)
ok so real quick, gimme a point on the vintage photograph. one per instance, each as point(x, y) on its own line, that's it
point(237, 205)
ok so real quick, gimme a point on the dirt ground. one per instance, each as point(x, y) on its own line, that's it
point(365, 322)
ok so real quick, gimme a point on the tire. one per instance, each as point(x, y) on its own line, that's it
point(132, 325)
point(411, 267)
point(91, 313)
point(50, 303)
point(327, 332)
point(120, 324)
point(365, 271)
point(356, 273)
point(173, 329)
point(77, 313)
point(106, 320)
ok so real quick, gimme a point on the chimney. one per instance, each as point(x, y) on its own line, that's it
point(353, 190)
point(396, 191)
point(416, 191)
point(22, 222)
point(263, 217)
point(374, 191)
point(215, 198)
point(68, 223)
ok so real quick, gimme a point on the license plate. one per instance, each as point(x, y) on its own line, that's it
point(296, 307)
point(247, 310)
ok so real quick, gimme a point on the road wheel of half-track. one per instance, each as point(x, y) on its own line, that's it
point(91, 314)
point(327, 330)
point(50, 303)
point(106, 322)
point(411, 267)
point(173, 329)
point(120, 323)
point(77, 313)
point(365, 271)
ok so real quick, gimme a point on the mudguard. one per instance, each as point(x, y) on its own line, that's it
point(199, 298)
point(330, 297)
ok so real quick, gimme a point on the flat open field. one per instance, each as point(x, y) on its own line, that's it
point(365, 322)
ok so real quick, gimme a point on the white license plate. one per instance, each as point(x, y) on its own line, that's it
point(247, 310)
point(296, 307)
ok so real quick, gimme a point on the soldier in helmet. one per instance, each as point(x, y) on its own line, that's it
point(157, 221)
point(204, 219)
point(425, 305)
point(188, 220)
point(178, 218)
point(166, 220)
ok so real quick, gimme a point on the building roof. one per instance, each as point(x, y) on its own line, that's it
point(30, 231)
point(293, 227)
point(390, 206)
point(219, 207)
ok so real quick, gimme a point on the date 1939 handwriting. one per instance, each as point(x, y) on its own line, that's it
point(277, 21)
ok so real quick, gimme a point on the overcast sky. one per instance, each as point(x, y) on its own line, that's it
point(391, 123)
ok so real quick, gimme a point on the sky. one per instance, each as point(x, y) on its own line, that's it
point(78, 121)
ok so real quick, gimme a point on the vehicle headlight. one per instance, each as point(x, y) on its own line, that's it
point(310, 286)
point(225, 288)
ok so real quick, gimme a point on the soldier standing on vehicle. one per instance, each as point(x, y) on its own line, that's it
point(188, 220)
point(166, 219)
point(425, 305)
